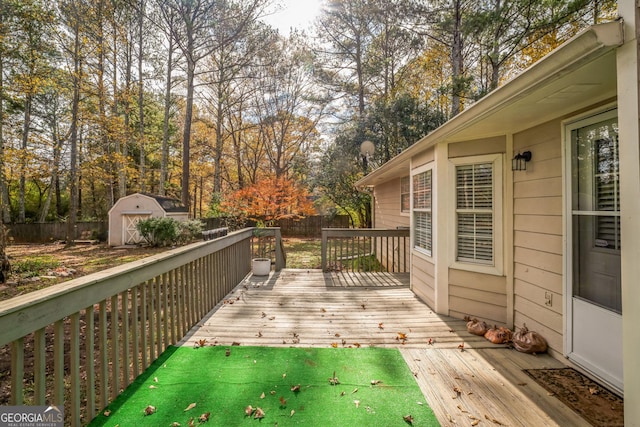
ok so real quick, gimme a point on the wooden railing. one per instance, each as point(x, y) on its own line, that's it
point(83, 341)
point(365, 250)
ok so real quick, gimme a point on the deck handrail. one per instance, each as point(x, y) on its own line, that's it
point(365, 249)
point(134, 311)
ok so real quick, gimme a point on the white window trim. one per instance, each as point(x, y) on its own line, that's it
point(497, 268)
point(417, 250)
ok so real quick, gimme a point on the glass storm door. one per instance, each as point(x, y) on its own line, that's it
point(595, 307)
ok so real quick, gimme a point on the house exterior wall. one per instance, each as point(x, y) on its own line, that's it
point(476, 294)
point(387, 214)
point(537, 235)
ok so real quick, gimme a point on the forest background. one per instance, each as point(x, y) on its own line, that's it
point(203, 101)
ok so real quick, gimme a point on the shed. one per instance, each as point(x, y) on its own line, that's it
point(129, 210)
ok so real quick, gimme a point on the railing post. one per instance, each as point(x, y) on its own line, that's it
point(281, 262)
point(323, 263)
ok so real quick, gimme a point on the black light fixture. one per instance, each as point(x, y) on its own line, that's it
point(519, 162)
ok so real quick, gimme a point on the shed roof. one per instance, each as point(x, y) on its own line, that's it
point(167, 203)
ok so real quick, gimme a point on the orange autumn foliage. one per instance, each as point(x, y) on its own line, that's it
point(270, 200)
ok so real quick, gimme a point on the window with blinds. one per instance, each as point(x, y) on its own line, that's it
point(474, 213)
point(405, 194)
point(607, 192)
point(422, 211)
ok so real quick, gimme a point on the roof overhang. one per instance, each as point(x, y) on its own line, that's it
point(578, 74)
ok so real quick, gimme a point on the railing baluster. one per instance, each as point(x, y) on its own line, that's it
point(172, 306)
point(58, 362)
point(17, 371)
point(115, 348)
point(39, 367)
point(151, 316)
point(158, 314)
point(90, 368)
point(135, 330)
point(74, 368)
point(104, 354)
point(144, 329)
point(126, 345)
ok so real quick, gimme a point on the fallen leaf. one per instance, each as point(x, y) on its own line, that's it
point(323, 310)
point(380, 325)
point(262, 395)
point(235, 343)
point(259, 414)
point(408, 419)
point(248, 410)
point(192, 423)
point(401, 336)
point(284, 375)
point(272, 392)
point(375, 382)
point(204, 417)
point(107, 413)
point(227, 352)
point(152, 386)
point(334, 380)
point(457, 390)
point(155, 379)
point(357, 403)
point(259, 335)
point(337, 335)
point(475, 423)
point(283, 401)
point(191, 406)
point(292, 412)
point(342, 393)
point(364, 307)
point(264, 314)
point(202, 343)
point(295, 388)
point(357, 345)
point(149, 410)
point(355, 390)
point(175, 424)
point(461, 347)
point(593, 391)
point(431, 341)
point(461, 409)
point(334, 344)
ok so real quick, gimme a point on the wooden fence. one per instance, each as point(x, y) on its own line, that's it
point(365, 250)
point(53, 231)
point(87, 339)
point(47, 232)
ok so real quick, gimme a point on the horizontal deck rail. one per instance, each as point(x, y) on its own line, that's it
point(365, 249)
point(81, 342)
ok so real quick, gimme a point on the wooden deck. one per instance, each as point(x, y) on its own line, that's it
point(308, 308)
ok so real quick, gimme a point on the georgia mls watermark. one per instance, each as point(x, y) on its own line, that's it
point(31, 416)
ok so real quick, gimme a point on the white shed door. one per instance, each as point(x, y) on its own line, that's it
point(131, 236)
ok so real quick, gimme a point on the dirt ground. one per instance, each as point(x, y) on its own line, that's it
point(35, 266)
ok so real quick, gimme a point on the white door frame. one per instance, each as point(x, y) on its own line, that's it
point(606, 334)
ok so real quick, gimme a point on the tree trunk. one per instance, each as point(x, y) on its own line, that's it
point(186, 135)
point(164, 162)
point(73, 154)
point(457, 60)
point(23, 160)
point(143, 172)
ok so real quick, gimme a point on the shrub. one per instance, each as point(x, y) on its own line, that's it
point(166, 231)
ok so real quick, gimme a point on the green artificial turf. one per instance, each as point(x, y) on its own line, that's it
point(375, 388)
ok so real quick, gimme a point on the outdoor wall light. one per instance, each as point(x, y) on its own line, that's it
point(519, 162)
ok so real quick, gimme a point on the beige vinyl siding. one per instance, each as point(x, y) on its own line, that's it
point(423, 279)
point(423, 158)
point(537, 236)
point(387, 206)
point(478, 147)
point(483, 296)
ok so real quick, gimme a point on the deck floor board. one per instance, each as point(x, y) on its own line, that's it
point(308, 308)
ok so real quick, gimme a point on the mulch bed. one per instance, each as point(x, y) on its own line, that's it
point(594, 403)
